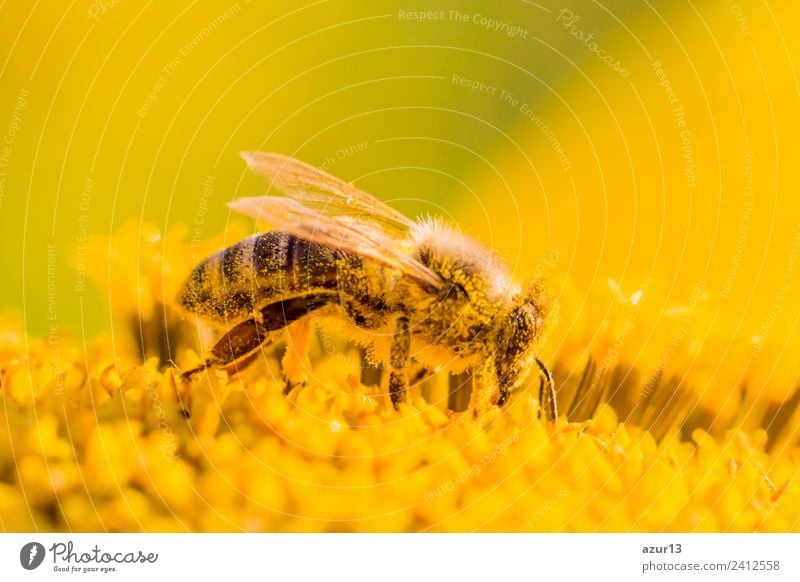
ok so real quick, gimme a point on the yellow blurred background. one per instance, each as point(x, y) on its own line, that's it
point(644, 151)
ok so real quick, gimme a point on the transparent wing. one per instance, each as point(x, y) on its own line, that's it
point(341, 232)
point(327, 194)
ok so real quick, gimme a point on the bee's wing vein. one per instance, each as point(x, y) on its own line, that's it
point(358, 238)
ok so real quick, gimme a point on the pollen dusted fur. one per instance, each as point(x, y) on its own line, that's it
point(408, 291)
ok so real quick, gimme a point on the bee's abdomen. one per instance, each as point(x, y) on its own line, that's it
point(230, 285)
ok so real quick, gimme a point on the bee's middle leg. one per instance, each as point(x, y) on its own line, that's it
point(295, 363)
point(485, 386)
point(398, 360)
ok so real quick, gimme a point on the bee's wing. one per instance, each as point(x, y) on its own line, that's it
point(341, 232)
point(327, 194)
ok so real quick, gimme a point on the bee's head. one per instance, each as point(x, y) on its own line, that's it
point(518, 335)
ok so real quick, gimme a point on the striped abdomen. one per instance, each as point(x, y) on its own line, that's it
point(229, 286)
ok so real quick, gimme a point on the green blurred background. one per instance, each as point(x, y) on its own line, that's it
point(120, 111)
point(132, 105)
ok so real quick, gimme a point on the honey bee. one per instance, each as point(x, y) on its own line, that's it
point(416, 291)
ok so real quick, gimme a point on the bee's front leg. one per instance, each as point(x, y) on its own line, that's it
point(485, 387)
point(495, 379)
point(398, 361)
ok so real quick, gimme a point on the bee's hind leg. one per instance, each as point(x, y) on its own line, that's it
point(235, 350)
point(398, 360)
point(296, 364)
point(547, 393)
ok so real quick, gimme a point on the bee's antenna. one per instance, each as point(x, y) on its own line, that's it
point(547, 393)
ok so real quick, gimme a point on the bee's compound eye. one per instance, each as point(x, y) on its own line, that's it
point(533, 316)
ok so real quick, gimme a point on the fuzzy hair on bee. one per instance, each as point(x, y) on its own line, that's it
point(410, 291)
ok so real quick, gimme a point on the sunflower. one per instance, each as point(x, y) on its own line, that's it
point(106, 436)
